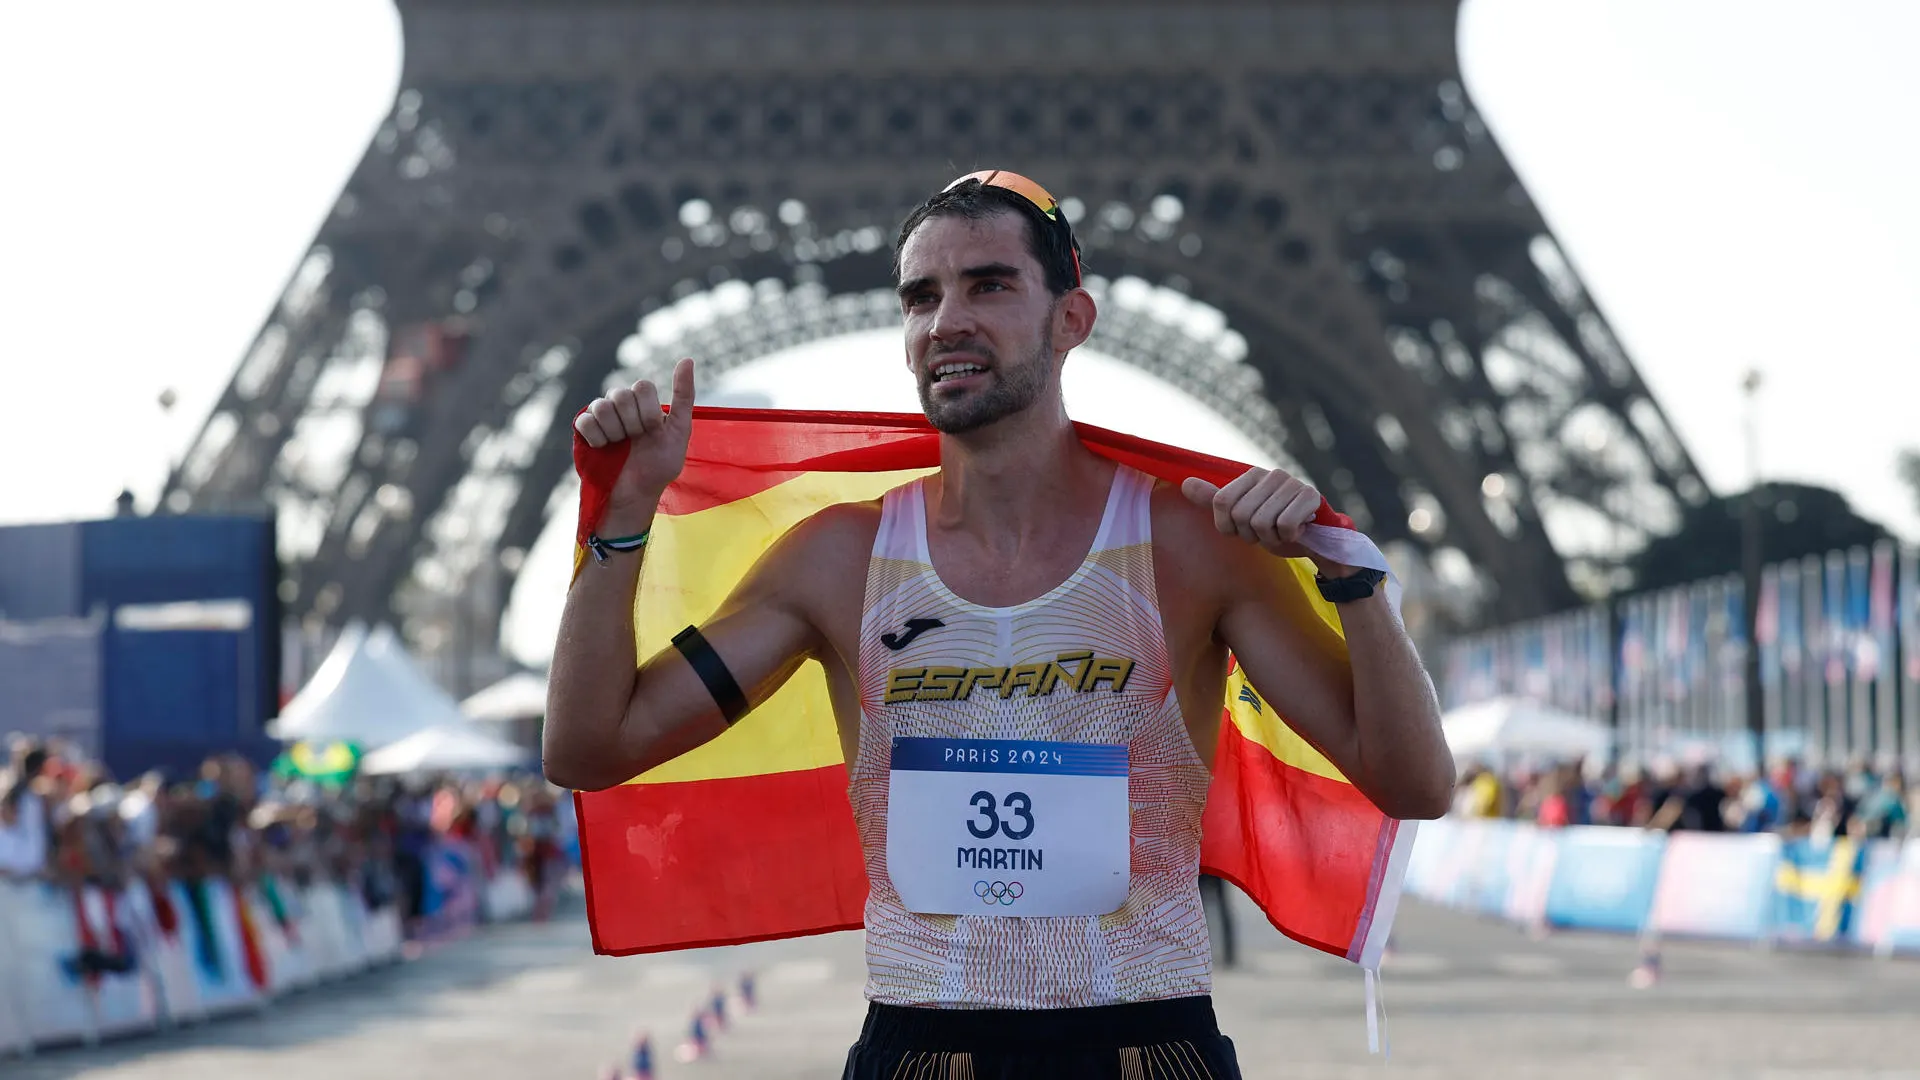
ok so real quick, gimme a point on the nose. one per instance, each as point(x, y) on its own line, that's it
point(952, 320)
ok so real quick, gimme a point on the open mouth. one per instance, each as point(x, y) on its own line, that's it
point(944, 374)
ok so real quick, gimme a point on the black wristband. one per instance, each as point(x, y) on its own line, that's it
point(1356, 586)
point(713, 672)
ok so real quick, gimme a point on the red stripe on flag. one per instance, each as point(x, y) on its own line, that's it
point(1309, 850)
point(719, 862)
point(736, 453)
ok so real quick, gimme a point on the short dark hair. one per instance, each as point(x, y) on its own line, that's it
point(1051, 245)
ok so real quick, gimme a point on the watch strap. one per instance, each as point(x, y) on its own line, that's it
point(1356, 586)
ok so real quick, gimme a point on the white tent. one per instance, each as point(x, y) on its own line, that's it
point(1512, 726)
point(367, 691)
point(444, 747)
point(520, 696)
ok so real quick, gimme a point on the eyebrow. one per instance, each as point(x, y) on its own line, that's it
point(985, 270)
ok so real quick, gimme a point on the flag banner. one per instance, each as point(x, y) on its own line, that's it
point(1878, 649)
point(1862, 667)
point(1766, 630)
point(1908, 617)
point(751, 837)
point(1816, 889)
point(1813, 643)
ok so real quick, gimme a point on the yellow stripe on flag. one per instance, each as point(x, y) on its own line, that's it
point(693, 563)
point(1256, 719)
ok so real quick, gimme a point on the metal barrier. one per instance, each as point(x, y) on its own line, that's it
point(78, 966)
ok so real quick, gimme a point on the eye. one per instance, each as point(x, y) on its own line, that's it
point(915, 300)
point(991, 286)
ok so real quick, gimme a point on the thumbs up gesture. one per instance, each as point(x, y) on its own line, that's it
point(659, 439)
point(1266, 507)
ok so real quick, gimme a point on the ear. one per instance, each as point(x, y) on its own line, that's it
point(1073, 319)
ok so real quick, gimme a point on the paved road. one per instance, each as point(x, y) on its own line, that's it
point(1466, 999)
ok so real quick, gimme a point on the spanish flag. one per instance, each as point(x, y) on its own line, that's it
point(751, 837)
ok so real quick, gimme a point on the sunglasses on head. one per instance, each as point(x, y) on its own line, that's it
point(1041, 199)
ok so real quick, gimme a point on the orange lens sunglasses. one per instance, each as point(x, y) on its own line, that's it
point(1041, 199)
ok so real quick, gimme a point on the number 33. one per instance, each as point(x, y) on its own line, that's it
point(1017, 805)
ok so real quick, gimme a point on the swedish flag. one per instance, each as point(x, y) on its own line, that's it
point(1816, 889)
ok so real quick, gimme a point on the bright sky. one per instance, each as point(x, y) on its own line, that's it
point(1728, 175)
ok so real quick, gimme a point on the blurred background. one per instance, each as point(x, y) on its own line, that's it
point(1595, 313)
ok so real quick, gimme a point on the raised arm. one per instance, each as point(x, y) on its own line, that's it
point(610, 718)
point(1367, 704)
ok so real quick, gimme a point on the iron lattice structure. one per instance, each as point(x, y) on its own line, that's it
point(1291, 206)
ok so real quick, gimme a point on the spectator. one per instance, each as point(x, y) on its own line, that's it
point(24, 825)
point(1883, 813)
point(1696, 805)
point(1480, 795)
point(1832, 811)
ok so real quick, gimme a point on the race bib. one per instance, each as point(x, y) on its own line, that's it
point(1008, 827)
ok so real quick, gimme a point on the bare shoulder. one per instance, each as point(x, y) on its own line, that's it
point(845, 530)
point(1189, 550)
point(818, 568)
point(827, 545)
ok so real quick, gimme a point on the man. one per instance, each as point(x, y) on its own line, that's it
point(1025, 549)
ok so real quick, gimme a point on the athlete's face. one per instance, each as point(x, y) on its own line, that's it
point(983, 331)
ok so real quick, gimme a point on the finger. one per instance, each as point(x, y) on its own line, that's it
point(603, 410)
point(1300, 510)
point(1198, 492)
point(1267, 518)
point(682, 408)
point(590, 429)
point(1228, 497)
point(1249, 504)
point(646, 400)
point(625, 403)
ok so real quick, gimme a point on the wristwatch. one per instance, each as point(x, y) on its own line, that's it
point(1356, 586)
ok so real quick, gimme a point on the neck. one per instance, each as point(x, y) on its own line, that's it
point(1018, 481)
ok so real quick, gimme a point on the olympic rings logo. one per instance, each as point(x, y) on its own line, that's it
point(1003, 893)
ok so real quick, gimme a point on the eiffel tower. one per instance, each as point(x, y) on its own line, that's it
point(1290, 208)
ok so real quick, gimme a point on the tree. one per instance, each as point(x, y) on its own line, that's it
point(1795, 520)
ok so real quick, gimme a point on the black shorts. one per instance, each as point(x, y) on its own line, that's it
point(1151, 1040)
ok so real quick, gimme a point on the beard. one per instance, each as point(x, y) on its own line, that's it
point(1009, 389)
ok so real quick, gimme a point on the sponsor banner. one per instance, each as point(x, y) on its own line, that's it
point(1603, 878)
point(1716, 885)
point(1429, 853)
point(1530, 862)
point(1890, 898)
point(1453, 878)
point(80, 965)
point(1491, 878)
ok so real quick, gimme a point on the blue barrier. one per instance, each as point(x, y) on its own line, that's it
point(1490, 879)
point(1604, 878)
point(1719, 885)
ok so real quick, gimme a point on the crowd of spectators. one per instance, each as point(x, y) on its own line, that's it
point(1788, 798)
point(63, 819)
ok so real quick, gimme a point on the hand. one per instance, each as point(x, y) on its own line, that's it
point(1267, 508)
point(659, 440)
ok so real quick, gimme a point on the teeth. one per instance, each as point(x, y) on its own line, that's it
point(955, 370)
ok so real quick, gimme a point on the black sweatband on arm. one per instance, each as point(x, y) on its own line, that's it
point(712, 671)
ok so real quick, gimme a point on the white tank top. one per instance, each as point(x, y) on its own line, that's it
point(1155, 946)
